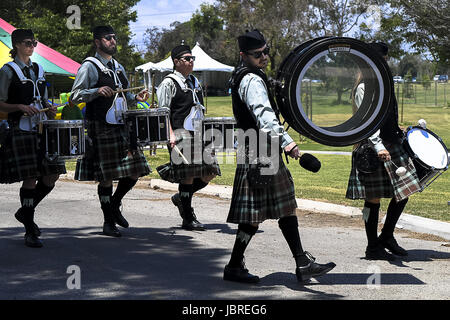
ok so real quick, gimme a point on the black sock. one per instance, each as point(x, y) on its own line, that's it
point(105, 194)
point(27, 202)
point(243, 236)
point(42, 191)
point(185, 191)
point(289, 228)
point(372, 223)
point(393, 213)
point(124, 185)
point(198, 185)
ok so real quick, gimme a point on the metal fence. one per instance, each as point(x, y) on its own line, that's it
point(430, 93)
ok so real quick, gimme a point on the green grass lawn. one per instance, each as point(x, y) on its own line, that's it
point(330, 183)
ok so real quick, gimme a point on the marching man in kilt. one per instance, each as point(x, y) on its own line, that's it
point(110, 154)
point(384, 181)
point(254, 201)
point(23, 91)
point(181, 92)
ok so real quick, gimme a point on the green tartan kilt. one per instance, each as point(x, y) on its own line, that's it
point(199, 166)
point(385, 183)
point(109, 155)
point(254, 205)
point(23, 158)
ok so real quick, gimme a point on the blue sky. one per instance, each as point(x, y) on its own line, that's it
point(161, 13)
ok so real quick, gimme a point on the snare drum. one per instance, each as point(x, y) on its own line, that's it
point(149, 126)
point(63, 139)
point(219, 132)
point(428, 152)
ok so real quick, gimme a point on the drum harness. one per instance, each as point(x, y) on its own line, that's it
point(117, 82)
point(28, 123)
point(197, 111)
point(236, 79)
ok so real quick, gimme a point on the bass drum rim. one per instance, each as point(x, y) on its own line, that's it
point(286, 93)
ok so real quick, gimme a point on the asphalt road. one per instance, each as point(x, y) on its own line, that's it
point(156, 259)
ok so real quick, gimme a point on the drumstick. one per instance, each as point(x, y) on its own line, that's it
point(128, 89)
point(40, 110)
point(181, 154)
point(153, 90)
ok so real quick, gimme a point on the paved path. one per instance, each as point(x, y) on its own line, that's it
point(156, 259)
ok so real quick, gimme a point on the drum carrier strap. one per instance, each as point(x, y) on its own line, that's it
point(40, 78)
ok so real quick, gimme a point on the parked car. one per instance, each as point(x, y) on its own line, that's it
point(398, 79)
point(414, 79)
point(443, 78)
point(436, 78)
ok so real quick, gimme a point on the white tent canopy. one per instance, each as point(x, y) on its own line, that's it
point(203, 62)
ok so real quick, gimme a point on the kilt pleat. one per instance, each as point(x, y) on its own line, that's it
point(109, 155)
point(198, 166)
point(384, 182)
point(254, 205)
point(22, 158)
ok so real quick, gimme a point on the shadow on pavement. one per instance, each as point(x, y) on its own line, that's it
point(145, 263)
point(289, 280)
point(362, 279)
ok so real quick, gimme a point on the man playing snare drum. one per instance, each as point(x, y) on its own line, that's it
point(109, 152)
point(181, 92)
point(384, 181)
point(23, 91)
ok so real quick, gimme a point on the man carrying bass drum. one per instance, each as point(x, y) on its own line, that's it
point(393, 177)
point(258, 196)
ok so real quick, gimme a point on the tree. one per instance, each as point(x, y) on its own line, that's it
point(152, 38)
point(48, 20)
point(335, 17)
point(409, 64)
point(207, 25)
point(424, 24)
point(281, 25)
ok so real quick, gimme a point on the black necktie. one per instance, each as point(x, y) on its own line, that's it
point(189, 83)
point(110, 65)
point(26, 72)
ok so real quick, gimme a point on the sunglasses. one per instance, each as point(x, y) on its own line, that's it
point(188, 58)
point(30, 43)
point(258, 54)
point(109, 37)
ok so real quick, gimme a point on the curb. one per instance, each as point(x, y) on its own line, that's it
point(406, 221)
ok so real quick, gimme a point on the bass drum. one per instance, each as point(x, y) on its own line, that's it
point(334, 90)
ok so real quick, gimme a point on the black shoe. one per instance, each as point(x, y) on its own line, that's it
point(239, 274)
point(191, 223)
point(110, 229)
point(312, 269)
point(117, 214)
point(177, 202)
point(31, 240)
point(19, 216)
point(392, 245)
point(378, 253)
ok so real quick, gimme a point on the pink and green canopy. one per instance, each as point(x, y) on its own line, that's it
point(52, 61)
